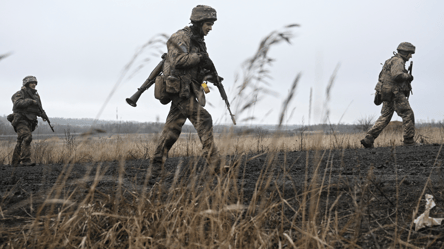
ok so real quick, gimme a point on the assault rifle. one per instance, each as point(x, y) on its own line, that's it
point(218, 83)
point(45, 117)
point(410, 82)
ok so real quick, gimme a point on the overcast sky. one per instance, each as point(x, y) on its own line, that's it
point(78, 49)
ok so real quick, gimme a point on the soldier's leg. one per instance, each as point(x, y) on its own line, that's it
point(403, 109)
point(18, 147)
point(170, 133)
point(25, 157)
point(202, 121)
point(383, 120)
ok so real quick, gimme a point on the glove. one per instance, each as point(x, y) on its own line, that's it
point(44, 116)
point(410, 78)
point(203, 56)
point(29, 102)
point(205, 61)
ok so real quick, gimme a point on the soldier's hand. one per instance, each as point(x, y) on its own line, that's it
point(203, 56)
point(205, 61)
point(44, 119)
point(410, 78)
point(211, 78)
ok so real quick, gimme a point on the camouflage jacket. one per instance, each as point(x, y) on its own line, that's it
point(24, 105)
point(394, 75)
point(183, 61)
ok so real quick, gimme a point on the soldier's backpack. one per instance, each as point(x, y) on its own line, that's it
point(378, 96)
point(383, 91)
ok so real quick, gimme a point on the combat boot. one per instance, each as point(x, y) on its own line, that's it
point(28, 163)
point(409, 142)
point(367, 142)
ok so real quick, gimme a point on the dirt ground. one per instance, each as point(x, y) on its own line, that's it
point(377, 189)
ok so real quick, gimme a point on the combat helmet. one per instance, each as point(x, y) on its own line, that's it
point(29, 79)
point(203, 12)
point(407, 47)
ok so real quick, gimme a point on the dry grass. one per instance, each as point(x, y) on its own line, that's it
point(135, 146)
point(191, 213)
point(198, 211)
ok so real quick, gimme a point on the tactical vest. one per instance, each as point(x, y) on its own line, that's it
point(181, 82)
point(387, 84)
point(31, 111)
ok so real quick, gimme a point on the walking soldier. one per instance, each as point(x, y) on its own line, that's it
point(26, 107)
point(393, 90)
point(185, 67)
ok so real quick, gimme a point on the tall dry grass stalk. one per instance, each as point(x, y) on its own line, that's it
point(252, 84)
point(3, 56)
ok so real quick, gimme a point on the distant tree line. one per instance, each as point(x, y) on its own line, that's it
point(61, 125)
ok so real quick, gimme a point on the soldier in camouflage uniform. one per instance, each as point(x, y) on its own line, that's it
point(26, 108)
point(183, 72)
point(394, 86)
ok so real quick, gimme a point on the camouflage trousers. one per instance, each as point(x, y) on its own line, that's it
point(200, 118)
point(401, 105)
point(22, 150)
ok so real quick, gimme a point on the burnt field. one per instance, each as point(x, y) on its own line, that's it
point(336, 198)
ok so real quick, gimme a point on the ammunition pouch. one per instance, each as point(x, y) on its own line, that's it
point(378, 98)
point(33, 124)
point(386, 92)
point(160, 92)
point(185, 81)
point(172, 84)
point(10, 117)
point(18, 118)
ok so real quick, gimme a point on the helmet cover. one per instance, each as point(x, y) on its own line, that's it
point(407, 47)
point(203, 12)
point(29, 79)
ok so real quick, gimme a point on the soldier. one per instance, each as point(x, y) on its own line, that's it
point(184, 70)
point(26, 108)
point(394, 87)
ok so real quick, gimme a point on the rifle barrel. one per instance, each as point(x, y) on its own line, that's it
point(223, 94)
